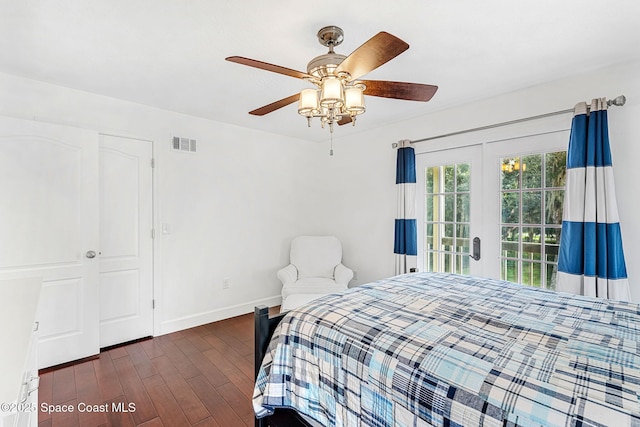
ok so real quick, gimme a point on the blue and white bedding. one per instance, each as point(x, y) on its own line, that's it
point(441, 349)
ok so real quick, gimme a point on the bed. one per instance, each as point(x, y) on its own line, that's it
point(447, 350)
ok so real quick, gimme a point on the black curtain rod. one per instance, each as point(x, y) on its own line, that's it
point(618, 101)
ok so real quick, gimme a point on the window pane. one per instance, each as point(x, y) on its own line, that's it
point(531, 167)
point(448, 262)
point(531, 207)
point(552, 244)
point(429, 181)
point(510, 178)
point(555, 170)
point(531, 234)
point(532, 274)
point(552, 274)
point(463, 175)
point(552, 235)
point(531, 251)
point(449, 182)
point(465, 264)
point(462, 231)
point(431, 262)
point(430, 238)
point(449, 201)
point(462, 207)
point(430, 205)
point(463, 242)
point(510, 208)
point(554, 201)
point(510, 242)
point(509, 270)
point(447, 239)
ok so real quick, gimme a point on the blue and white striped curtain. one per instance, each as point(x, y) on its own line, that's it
point(405, 245)
point(591, 260)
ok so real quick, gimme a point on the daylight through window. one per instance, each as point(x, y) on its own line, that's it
point(531, 201)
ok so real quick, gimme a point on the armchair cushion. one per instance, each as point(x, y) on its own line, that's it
point(316, 256)
point(312, 285)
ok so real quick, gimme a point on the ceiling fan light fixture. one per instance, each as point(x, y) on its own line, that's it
point(354, 99)
point(331, 92)
point(308, 104)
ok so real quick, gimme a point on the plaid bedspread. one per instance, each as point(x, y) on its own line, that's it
point(440, 349)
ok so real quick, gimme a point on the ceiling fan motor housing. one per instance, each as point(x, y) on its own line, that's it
point(324, 65)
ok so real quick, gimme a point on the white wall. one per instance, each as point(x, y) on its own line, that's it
point(232, 208)
point(362, 179)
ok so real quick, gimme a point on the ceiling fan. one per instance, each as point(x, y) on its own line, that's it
point(338, 95)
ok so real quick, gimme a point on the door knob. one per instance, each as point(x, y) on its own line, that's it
point(476, 249)
point(90, 254)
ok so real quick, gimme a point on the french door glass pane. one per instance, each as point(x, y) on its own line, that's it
point(531, 171)
point(531, 207)
point(447, 218)
point(555, 169)
point(531, 201)
point(463, 176)
point(449, 180)
point(449, 207)
point(531, 272)
point(511, 208)
point(554, 200)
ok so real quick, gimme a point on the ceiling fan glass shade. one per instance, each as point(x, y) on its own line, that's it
point(308, 104)
point(331, 94)
point(354, 100)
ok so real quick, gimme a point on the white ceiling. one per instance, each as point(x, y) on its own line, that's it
point(170, 53)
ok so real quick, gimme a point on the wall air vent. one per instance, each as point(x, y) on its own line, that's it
point(183, 144)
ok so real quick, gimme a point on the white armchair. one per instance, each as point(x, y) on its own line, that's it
point(316, 269)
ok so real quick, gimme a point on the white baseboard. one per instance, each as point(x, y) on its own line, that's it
point(194, 320)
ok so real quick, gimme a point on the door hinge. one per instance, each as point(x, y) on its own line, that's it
point(153, 233)
point(153, 162)
point(153, 304)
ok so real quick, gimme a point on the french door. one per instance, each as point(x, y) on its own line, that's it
point(526, 184)
point(507, 193)
point(449, 210)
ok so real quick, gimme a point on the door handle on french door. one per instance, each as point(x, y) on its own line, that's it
point(90, 254)
point(476, 249)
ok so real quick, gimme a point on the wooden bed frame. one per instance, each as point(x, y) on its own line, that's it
point(264, 327)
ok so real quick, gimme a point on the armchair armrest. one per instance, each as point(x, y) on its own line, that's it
point(288, 275)
point(343, 275)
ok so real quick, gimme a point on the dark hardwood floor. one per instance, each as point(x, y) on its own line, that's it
point(197, 377)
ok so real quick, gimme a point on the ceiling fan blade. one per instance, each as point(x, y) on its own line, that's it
point(399, 90)
point(275, 105)
point(376, 51)
point(269, 67)
point(344, 120)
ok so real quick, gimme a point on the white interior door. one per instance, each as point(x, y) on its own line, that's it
point(449, 200)
point(126, 244)
point(48, 226)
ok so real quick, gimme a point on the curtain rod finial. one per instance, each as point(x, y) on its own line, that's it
point(618, 101)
